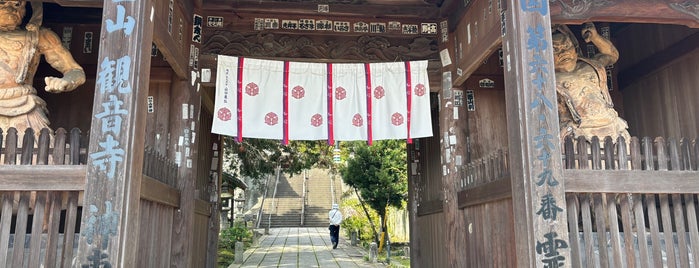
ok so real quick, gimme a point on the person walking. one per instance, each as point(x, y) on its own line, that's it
point(335, 217)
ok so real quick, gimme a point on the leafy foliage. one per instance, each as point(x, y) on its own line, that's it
point(379, 173)
point(356, 220)
point(226, 242)
point(225, 258)
point(257, 158)
point(235, 233)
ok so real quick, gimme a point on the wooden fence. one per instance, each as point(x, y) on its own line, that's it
point(41, 184)
point(490, 168)
point(159, 167)
point(629, 204)
point(632, 206)
point(486, 205)
point(37, 149)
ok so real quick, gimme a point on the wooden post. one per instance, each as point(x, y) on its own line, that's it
point(453, 132)
point(184, 152)
point(109, 225)
point(413, 193)
point(185, 103)
point(215, 219)
point(538, 193)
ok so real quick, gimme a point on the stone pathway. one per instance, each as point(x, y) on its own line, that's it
point(303, 247)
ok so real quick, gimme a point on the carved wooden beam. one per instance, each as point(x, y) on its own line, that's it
point(320, 49)
point(658, 60)
point(310, 25)
point(209, 61)
point(271, 8)
point(354, 49)
point(683, 12)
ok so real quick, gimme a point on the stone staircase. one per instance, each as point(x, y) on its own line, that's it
point(285, 209)
point(320, 197)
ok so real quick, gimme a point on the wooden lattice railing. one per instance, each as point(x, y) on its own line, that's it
point(487, 169)
point(41, 183)
point(63, 148)
point(46, 148)
point(644, 154)
point(629, 204)
point(159, 167)
point(635, 205)
point(41, 178)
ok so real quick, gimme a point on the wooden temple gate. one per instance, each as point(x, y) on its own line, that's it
point(479, 190)
point(475, 188)
point(123, 188)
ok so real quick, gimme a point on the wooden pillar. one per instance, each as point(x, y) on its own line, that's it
point(414, 162)
point(453, 133)
point(109, 226)
point(538, 193)
point(184, 113)
point(184, 135)
point(215, 218)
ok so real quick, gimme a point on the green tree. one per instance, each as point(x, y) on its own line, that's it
point(379, 173)
point(257, 158)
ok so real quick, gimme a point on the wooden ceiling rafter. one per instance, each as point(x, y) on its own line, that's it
point(661, 12)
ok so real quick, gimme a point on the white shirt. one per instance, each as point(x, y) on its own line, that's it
point(335, 216)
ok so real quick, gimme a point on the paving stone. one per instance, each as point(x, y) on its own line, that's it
point(303, 247)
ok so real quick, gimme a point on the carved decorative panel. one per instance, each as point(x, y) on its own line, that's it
point(363, 48)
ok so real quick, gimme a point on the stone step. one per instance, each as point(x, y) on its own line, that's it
point(287, 206)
